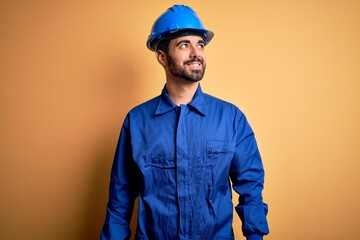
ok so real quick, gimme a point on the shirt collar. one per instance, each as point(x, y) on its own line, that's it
point(166, 104)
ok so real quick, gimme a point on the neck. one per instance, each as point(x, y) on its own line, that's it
point(181, 92)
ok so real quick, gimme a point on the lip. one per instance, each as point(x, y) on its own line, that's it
point(195, 65)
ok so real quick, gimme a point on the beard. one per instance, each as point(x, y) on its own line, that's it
point(181, 72)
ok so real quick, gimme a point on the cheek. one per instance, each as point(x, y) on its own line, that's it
point(175, 61)
point(202, 55)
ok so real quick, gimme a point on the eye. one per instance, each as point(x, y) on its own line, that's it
point(201, 45)
point(184, 46)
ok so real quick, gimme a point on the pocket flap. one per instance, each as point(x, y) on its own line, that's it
point(218, 146)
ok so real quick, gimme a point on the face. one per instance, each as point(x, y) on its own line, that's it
point(186, 58)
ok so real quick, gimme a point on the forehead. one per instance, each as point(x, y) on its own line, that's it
point(190, 38)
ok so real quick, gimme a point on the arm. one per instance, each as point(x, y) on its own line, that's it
point(123, 190)
point(247, 176)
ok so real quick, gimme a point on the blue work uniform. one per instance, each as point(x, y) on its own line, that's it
point(180, 162)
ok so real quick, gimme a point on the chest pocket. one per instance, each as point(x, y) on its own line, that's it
point(160, 160)
point(159, 155)
point(219, 152)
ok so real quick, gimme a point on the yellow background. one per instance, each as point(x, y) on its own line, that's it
point(70, 71)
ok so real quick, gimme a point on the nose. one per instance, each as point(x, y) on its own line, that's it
point(195, 51)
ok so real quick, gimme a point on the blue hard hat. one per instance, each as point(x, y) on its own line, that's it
point(177, 18)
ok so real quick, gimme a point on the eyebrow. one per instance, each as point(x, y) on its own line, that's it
point(188, 41)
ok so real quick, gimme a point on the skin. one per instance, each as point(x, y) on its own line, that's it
point(184, 67)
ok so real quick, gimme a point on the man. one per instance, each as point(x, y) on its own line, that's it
point(180, 152)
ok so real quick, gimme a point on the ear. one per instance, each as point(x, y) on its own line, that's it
point(161, 57)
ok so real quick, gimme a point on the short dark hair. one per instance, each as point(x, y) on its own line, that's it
point(163, 45)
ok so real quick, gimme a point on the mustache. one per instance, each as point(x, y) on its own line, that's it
point(195, 59)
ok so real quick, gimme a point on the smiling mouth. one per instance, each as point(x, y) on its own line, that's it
point(195, 64)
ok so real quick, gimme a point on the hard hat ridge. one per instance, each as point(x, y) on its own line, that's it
point(174, 19)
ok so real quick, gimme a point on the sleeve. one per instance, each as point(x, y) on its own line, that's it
point(247, 176)
point(123, 190)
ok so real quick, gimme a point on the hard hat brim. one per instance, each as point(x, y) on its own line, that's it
point(153, 41)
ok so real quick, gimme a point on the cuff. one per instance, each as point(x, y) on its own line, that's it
point(254, 237)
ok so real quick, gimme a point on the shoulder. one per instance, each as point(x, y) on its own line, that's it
point(227, 110)
point(141, 112)
point(147, 107)
point(221, 104)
